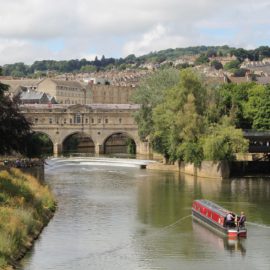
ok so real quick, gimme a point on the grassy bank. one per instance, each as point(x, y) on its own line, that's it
point(26, 206)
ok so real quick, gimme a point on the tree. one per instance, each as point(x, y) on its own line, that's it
point(38, 145)
point(149, 94)
point(88, 68)
point(222, 141)
point(130, 59)
point(178, 120)
point(14, 128)
point(216, 65)
point(211, 53)
point(231, 102)
point(241, 72)
point(234, 64)
point(256, 109)
point(202, 59)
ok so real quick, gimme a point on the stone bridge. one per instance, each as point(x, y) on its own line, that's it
point(100, 121)
point(97, 121)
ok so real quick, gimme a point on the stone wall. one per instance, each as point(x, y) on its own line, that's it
point(110, 94)
point(208, 169)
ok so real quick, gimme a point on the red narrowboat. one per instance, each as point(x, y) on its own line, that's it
point(216, 217)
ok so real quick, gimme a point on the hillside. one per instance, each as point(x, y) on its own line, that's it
point(190, 55)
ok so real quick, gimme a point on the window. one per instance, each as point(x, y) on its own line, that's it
point(120, 120)
point(86, 120)
point(92, 120)
point(50, 120)
point(65, 120)
point(77, 119)
point(106, 121)
point(99, 120)
point(36, 120)
point(70, 120)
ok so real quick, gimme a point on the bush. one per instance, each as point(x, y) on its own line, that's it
point(222, 142)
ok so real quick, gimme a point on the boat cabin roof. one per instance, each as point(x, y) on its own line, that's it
point(214, 207)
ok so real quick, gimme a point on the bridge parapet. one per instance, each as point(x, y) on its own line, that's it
point(259, 141)
point(250, 133)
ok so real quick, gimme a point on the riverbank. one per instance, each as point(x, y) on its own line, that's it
point(26, 206)
point(208, 169)
point(217, 170)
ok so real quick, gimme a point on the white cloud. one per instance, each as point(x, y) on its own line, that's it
point(113, 27)
point(154, 40)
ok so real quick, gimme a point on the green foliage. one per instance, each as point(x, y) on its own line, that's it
point(246, 104)
point(182, 66)
point(216, 64)
point(202, 59)
point(88, 68)
point(131, 146)
point(257, 109)
point(178, 120)
point(232, 65)
point(231, 101)
point(75, 65)
point(149, 94)
point(16, 70)
point(122, 67)
point(222, 141)
point(182, 120)
point(38, 145)
point(14, 128)
point(192, 152)
point(131, 59)
point(241, 72)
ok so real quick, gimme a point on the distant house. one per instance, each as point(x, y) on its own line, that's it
point(16, 86)
point(65, 91)
point(95, 80)
point(34, 97)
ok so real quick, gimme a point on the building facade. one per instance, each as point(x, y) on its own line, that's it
point(66, 92)
point(99, 122)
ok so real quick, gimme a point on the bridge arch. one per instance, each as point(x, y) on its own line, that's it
point(40, 143)
point(120, 142)
point(78, 142)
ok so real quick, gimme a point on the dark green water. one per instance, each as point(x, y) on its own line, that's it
point(115, 216)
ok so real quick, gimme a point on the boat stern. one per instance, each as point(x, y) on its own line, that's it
point(234, 233)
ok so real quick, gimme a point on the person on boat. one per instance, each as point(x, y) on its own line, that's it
point(230, 220)
point(242, 220)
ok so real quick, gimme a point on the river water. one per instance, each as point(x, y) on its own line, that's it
point(116, 216)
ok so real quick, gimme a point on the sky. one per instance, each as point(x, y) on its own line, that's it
point(33, 30)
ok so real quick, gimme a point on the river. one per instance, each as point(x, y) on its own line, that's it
point(116, 216)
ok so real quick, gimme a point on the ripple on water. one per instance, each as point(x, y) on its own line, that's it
point(122, 218)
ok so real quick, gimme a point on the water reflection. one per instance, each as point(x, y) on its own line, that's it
point(218, 241)
point(119, 217)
